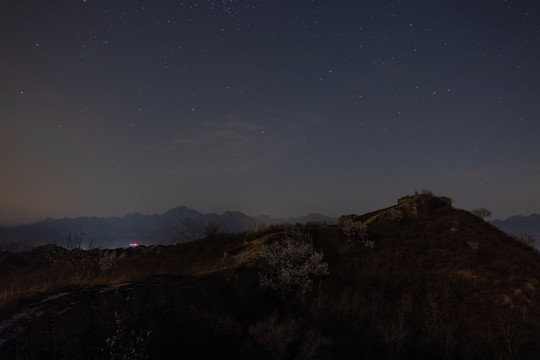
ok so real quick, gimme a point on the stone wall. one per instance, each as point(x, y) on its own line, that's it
point(421, 205)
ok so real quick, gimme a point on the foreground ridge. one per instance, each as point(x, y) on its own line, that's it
point(426, 281)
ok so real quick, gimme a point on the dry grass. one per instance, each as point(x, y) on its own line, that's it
point(37, 275)
point(422, 292)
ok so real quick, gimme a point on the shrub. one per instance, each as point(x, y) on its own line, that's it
point(356, 232)
point(275, 336)
point(126, 342)
point(108, 260)
point(395, 214)
point(56, 254)
point(258, 227)
point(314, 340)
point(288, 265)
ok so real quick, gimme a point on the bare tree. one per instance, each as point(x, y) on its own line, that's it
point(77, 241)
point(527, 239)
point(513, 333)
point(211, 228)
point(482, 213)
point(72, 242)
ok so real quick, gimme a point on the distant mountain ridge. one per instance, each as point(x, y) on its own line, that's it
point(180, 224)
point(520, 224)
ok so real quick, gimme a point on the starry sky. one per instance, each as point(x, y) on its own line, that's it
point(267, 107)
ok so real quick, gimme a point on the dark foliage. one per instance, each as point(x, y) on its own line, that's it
point(440, 283)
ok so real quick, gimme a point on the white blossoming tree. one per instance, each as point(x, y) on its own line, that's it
point(357, 233)
point(288, 266)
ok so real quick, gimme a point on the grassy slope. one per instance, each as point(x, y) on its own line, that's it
point(423, 291)
point(426, 281)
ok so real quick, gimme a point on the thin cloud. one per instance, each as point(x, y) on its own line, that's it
point(232, 131)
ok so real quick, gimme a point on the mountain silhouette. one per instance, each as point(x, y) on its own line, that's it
point(177, 225)
point(518, 223)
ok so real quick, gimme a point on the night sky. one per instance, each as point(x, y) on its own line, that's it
point(266, 107)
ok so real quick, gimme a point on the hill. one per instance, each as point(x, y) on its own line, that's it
point(418, 280)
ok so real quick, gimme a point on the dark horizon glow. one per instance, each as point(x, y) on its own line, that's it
point(266, 107)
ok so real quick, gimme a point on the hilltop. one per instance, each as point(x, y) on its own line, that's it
point(417, 280)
